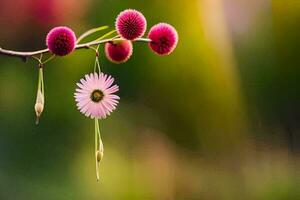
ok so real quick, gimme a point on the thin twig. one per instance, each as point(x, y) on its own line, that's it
point(87, 45)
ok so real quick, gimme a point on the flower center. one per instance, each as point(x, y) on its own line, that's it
point(97, 95)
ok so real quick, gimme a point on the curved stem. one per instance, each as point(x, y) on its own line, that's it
point(96, 148)
point(87, 45)
point(50, 58)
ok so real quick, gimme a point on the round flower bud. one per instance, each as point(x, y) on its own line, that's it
point(99, 155)
point(131, 24)
point(118, 51)
point(38, 107)
point(164, 38)
point(61, 40)
point(100, 152)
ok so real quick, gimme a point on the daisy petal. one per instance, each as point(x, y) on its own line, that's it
point(99, 106)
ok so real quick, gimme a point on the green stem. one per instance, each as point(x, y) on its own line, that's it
point(98, 64)
point(39, 81)
point(50, 58)
point(42, 80)
point(96, 148)
point(95, 65)
point(37, 59)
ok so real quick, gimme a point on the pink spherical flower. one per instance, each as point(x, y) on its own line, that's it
point(61, 40)
point(95, 95)
point(164, 38)
point(131, 24)
point(118, 51)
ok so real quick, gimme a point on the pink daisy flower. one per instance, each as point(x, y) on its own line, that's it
point(164, 38)
point(131, 24)
point(95, 95)
point(61, 40)
point(118, 51)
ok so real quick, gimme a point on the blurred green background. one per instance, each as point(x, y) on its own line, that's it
point(218, 119)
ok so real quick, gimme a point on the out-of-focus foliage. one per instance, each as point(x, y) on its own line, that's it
point(217, 119)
